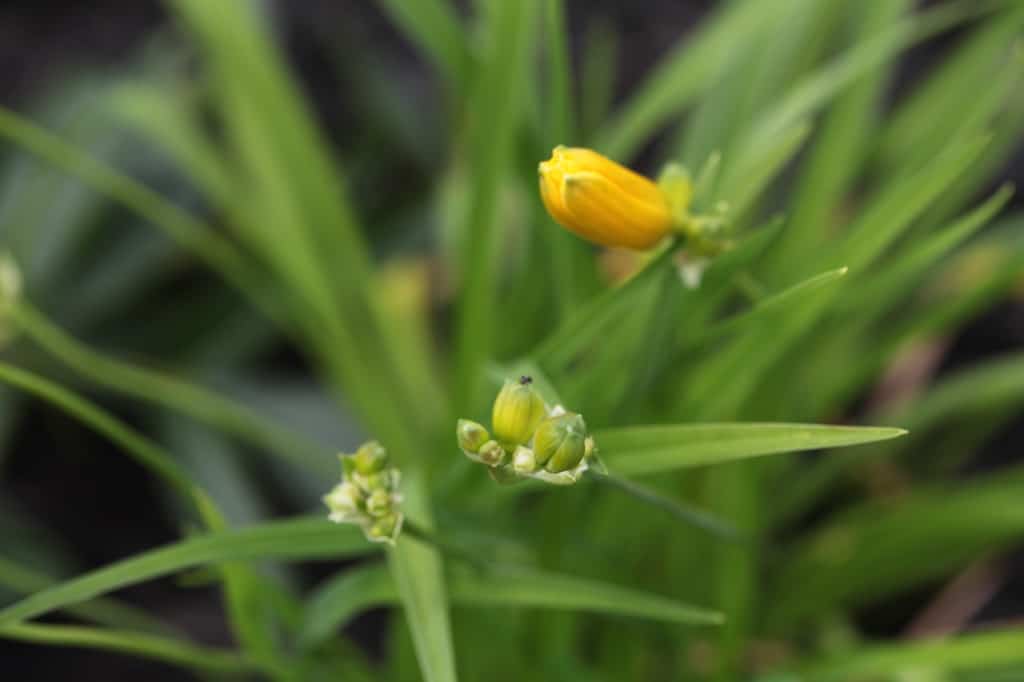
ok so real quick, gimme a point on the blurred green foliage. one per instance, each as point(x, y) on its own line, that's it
point(861, 244)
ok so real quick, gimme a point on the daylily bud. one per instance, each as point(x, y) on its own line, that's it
point(343, 501)
point(368, 495)
point(492, 454)
point(560, 442)
point(602, 201)
point(517, 411)
point(471, 435)
point(370, 458)
point(379, 502)
point(385, 529)
point(524, 461)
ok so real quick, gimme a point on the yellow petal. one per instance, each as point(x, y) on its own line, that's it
point(602, 201)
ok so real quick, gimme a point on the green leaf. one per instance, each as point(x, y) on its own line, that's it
point(818, 89)
point(768, 306)
point(298, 539)
point(434, 26)
point(333, 604)
point(172, 392)
point(499, 87)
point(657, 449)
point(145, 452)
point(22, 579)
point(899, 274)
point(960, 654)
point(595, 315)
point(164, 649)
point(685, 72)
point(417, 571)
point(839, 150)
point(215, 251)
point(880, 548)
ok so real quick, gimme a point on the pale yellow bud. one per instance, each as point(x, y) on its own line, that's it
point(517, 411)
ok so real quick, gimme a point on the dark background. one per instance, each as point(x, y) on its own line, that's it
point(114, 515)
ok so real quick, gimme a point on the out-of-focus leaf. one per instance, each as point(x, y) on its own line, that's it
point(297, 539)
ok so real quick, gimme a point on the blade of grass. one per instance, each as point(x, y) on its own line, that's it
point(838, 151)
point(499, 83)
point(570, 257)
point(435, 28)
point(340, 598)
point(879, 549)
point(23, 580)
point(219, 254)
point(293, 539)
point(976, 651)
point(164, 649)
point(145, 452)
point(679, 77)
point(169, 391)
point(643, 450)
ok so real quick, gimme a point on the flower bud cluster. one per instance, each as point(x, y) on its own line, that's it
point(368, 494)
point(530, 440)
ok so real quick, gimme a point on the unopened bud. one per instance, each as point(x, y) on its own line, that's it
point(471, 435)
point(492, 454)
point(517, 411)
point(343, 501)
point(524, 461)
point(385, 529)
point(560, 442)
point(370, 458)
point(378, 503)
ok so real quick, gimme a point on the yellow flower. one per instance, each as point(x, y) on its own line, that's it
point(602, 201)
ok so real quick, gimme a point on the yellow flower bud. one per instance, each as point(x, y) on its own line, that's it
point(471, 436)
point(560, 442)
point(517, 411)
point(602, 201)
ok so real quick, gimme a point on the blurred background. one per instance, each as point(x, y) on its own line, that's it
point(67, 502)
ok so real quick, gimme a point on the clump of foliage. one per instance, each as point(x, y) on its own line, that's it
point(840, 234)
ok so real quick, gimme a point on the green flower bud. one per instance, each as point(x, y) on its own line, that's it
point(524, 461)
point(370, 458)
point(517, 411)
point(385, 529)
point(378, 503)
point(560, 442)
point(344, 500)
point(492, 454)
point(471, 435)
